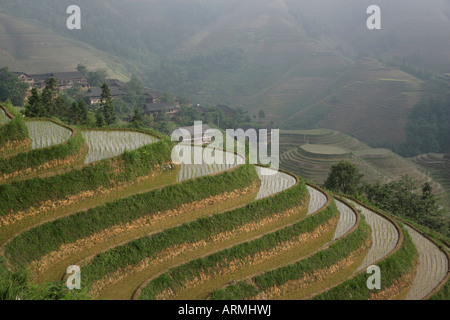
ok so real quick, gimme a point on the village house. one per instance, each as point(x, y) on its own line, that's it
point(25, 78)
point(152, 96)
point(156, 109)
point(65, 80)
point(94, 95)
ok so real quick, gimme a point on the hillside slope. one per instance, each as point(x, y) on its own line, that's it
point(307, 65)
point(30, 49)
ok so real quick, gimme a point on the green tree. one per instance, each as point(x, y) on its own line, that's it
point(12, 88)
point(49, 98)
point(61, 110)
point(137, 120)
point(187, 116)
point(344, 177)
point(83, 69)
point(134, 94)
point(34, 107)
point(100, 119)
point(78, 113)
point(97, 78)
point(261, 114)
point(107, 105)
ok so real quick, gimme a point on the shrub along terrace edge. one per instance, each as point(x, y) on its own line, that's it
point(202, 229)
point(24, 248)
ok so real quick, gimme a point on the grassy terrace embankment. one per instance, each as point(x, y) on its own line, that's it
point(13, 133)
point(196, 279)
point(141, 258)
point(29, 202)
point(158, 206)
point(319, 270)
point(45, 156)
point(189, 238)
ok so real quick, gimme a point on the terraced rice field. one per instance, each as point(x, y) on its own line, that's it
point(192, 171)
point(124, 283)
point(346, 221)
point(384, 236)
point(317, 201)
point(433, 266)
point(109, 144)
point(273, 183)
point(46, 133)
point(3, 117)
point(311, 153)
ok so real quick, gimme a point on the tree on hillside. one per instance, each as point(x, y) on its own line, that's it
point(428, 127)
point(261, 114)
point(134, 95)
point(34, 107)
point(404, 198)
point(187, 116)
point(83, 69)
point(344, 177)
point(107, 105)
point(97, 78)
point(61, 109)
point(49, 96)
point(12, 88)
point(78, 113)
point(137, 120)
point(100, 119)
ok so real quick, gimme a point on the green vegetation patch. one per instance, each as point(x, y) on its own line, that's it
point(443, 293)
point(13, 130)
point(26, 248)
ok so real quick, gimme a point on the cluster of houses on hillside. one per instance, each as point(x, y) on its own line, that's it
point(154, 102)
point(68, 80)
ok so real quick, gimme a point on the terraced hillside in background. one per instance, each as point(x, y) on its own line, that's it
point(143, 227)
point(311, 153)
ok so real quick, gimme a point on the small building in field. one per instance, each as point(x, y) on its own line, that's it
point(205, 137)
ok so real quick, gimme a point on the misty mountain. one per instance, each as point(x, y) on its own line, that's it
point(305, 63)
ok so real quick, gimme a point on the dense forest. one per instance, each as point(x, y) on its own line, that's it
point(428, 128)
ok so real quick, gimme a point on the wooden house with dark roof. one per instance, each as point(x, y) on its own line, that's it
point(156, 109)
point(94, 95)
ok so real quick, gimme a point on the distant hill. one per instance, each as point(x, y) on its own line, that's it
point(307, 64)
point(30, 49)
